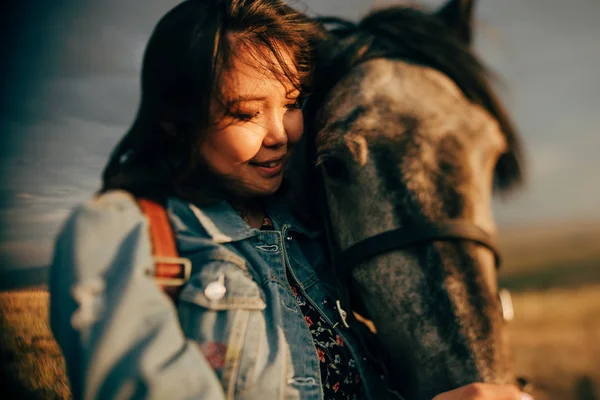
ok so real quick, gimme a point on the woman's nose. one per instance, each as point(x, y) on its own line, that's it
point(276, 135)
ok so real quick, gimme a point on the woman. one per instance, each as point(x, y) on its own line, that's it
point(257, 319)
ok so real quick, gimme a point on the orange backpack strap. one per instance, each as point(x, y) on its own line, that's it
point(171, 272)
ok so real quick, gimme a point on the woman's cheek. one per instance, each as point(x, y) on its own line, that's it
point(239, 144)
point(293, 123)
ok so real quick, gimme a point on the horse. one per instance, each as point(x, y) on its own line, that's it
point(410, 142)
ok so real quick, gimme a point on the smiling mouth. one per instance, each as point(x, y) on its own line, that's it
point(269, 164)
point(269, 169)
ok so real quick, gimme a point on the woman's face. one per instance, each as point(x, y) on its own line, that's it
point(251, 142)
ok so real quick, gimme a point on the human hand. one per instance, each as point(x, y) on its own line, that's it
point(484, 391)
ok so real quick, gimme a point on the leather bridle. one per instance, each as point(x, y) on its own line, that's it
point(413, 235)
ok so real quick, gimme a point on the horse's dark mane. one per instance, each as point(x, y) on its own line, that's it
point(423, 38)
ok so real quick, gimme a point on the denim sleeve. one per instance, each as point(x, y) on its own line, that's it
point(119, 333)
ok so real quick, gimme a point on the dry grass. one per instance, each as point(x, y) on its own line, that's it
point(556, 334)
point(556, 341)
point(32, 366)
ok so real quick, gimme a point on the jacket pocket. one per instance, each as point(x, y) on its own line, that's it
point(221, 309)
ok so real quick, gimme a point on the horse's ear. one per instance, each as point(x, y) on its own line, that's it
point(458, 15)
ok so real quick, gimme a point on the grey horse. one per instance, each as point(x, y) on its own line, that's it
point(408, 133)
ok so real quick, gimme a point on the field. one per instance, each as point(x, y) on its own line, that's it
point(556, 342)
point(555, 337)
point(31, 365)
point(553, 272)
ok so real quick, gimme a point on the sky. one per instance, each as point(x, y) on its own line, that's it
point(71, 89)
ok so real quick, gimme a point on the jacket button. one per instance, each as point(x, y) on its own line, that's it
point(289, 237)
point(216, 290)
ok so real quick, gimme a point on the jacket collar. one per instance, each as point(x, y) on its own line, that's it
point(281, 214)
point(222, 223)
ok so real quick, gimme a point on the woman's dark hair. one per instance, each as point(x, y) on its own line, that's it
point(183, 66)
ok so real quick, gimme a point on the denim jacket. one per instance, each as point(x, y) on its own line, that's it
point(122, 337)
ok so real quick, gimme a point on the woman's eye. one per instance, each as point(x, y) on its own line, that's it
point(245, 116)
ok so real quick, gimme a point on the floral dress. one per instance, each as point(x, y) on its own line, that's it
point(339, 374)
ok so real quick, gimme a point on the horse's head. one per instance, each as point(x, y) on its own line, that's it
point(409, 134)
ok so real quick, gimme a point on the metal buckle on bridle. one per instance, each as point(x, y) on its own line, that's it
point(506, 305)
point(342, 313)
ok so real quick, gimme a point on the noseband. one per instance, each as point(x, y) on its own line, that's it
point(409, 236)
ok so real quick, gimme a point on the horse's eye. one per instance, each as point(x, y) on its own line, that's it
point(334, 168)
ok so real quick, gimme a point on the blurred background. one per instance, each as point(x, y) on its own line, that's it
point(70, 89)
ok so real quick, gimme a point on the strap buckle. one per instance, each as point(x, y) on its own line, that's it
point(168, 278)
